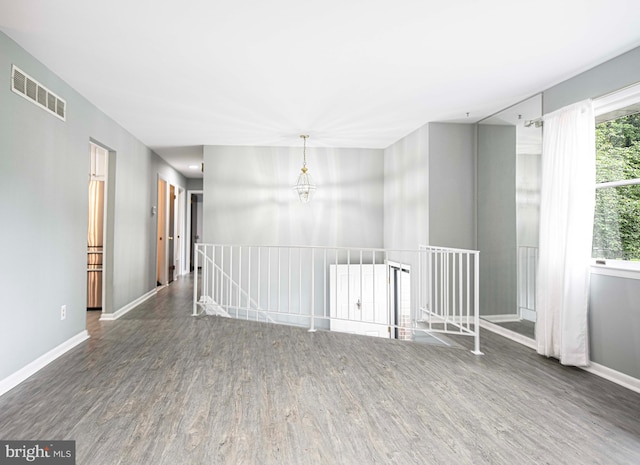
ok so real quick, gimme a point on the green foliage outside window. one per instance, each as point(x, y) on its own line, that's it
point(616, 231)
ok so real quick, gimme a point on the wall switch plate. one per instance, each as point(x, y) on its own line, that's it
point(63, 312)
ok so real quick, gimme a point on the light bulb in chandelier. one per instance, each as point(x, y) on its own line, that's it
point(305, 186)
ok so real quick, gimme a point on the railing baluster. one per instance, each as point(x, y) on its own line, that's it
point(335, 277)
point(259, 280)
point(239, 280)
point(388, 285)
point(373, 285)
point(476, 319)
point(249, 286)
point(324, 284)
point(349, 284)
point(430, 275)
point(458, 285)
point(468, 290)
point(313, 287)
point(269, 280)
point(361, 298)
point(289, 280)
point(299, 281)
point(195, 280)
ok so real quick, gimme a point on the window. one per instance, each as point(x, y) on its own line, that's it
point(616, 231)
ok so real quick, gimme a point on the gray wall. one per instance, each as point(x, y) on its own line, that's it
point(615, 74)
point(406, 191)
point(429, 188)
point(194, 184)
point(614, 323)
point(613, 307)
point(249, 198)
point(44, 166)
point(452, 185)
point(497, 219)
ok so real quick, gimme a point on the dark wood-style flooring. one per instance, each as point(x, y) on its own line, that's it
point(159, 386)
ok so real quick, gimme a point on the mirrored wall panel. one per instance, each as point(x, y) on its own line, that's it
point(509, 168)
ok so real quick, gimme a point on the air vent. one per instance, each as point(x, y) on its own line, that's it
point(32, 90)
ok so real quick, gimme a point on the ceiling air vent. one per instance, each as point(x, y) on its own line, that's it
point(32, 90)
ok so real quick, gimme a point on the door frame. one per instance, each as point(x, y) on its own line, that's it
point(188, 235)
point(162, 231)
point(162, 274)
point(171, 233)
point(179, 229)
point(108, 230)
point(395, 292)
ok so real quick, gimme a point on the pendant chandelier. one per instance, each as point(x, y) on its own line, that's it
point(305, 186)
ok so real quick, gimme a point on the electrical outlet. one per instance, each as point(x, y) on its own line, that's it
point(63, 312)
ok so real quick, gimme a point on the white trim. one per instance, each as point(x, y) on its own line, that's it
point(616, 100)
point(614, 376)
point(127, 308)
point(506, 318)
point(621, 183)
point(400, 266)
point(602, 371)
point(22, 374)
point(616, 270)
point(528, 314)
point(519, 338)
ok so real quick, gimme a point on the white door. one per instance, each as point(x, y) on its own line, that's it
point(359, 299)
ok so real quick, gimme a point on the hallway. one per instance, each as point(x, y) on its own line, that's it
point(159, 386)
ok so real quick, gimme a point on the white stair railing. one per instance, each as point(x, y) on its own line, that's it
point(212, 302)
point(450, 299)
point(386, 293)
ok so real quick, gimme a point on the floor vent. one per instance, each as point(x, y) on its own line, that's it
point(29, 88)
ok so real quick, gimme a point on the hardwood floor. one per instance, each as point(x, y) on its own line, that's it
point(158, 386)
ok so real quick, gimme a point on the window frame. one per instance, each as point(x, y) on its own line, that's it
point(608, 103)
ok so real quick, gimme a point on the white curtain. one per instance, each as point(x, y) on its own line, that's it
point(566, 229)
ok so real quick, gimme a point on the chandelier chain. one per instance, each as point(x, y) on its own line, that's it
point(304, 151)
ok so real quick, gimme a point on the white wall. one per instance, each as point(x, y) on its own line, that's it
point(249, 198)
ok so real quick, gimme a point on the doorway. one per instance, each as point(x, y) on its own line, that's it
point(96, 226)
point(400, 278)
point(161, 228)
point(358, 299)
point(169, 230)
point(171, 266)
point(194, 224)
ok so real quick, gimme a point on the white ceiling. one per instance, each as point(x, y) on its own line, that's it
point(351, 73)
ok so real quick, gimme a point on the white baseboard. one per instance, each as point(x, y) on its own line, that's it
point(19, 376)
point(529, 315)
point(595, 368)
point(614, 376)
point(501, 318)
point(519, 338)
point(127, 308)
